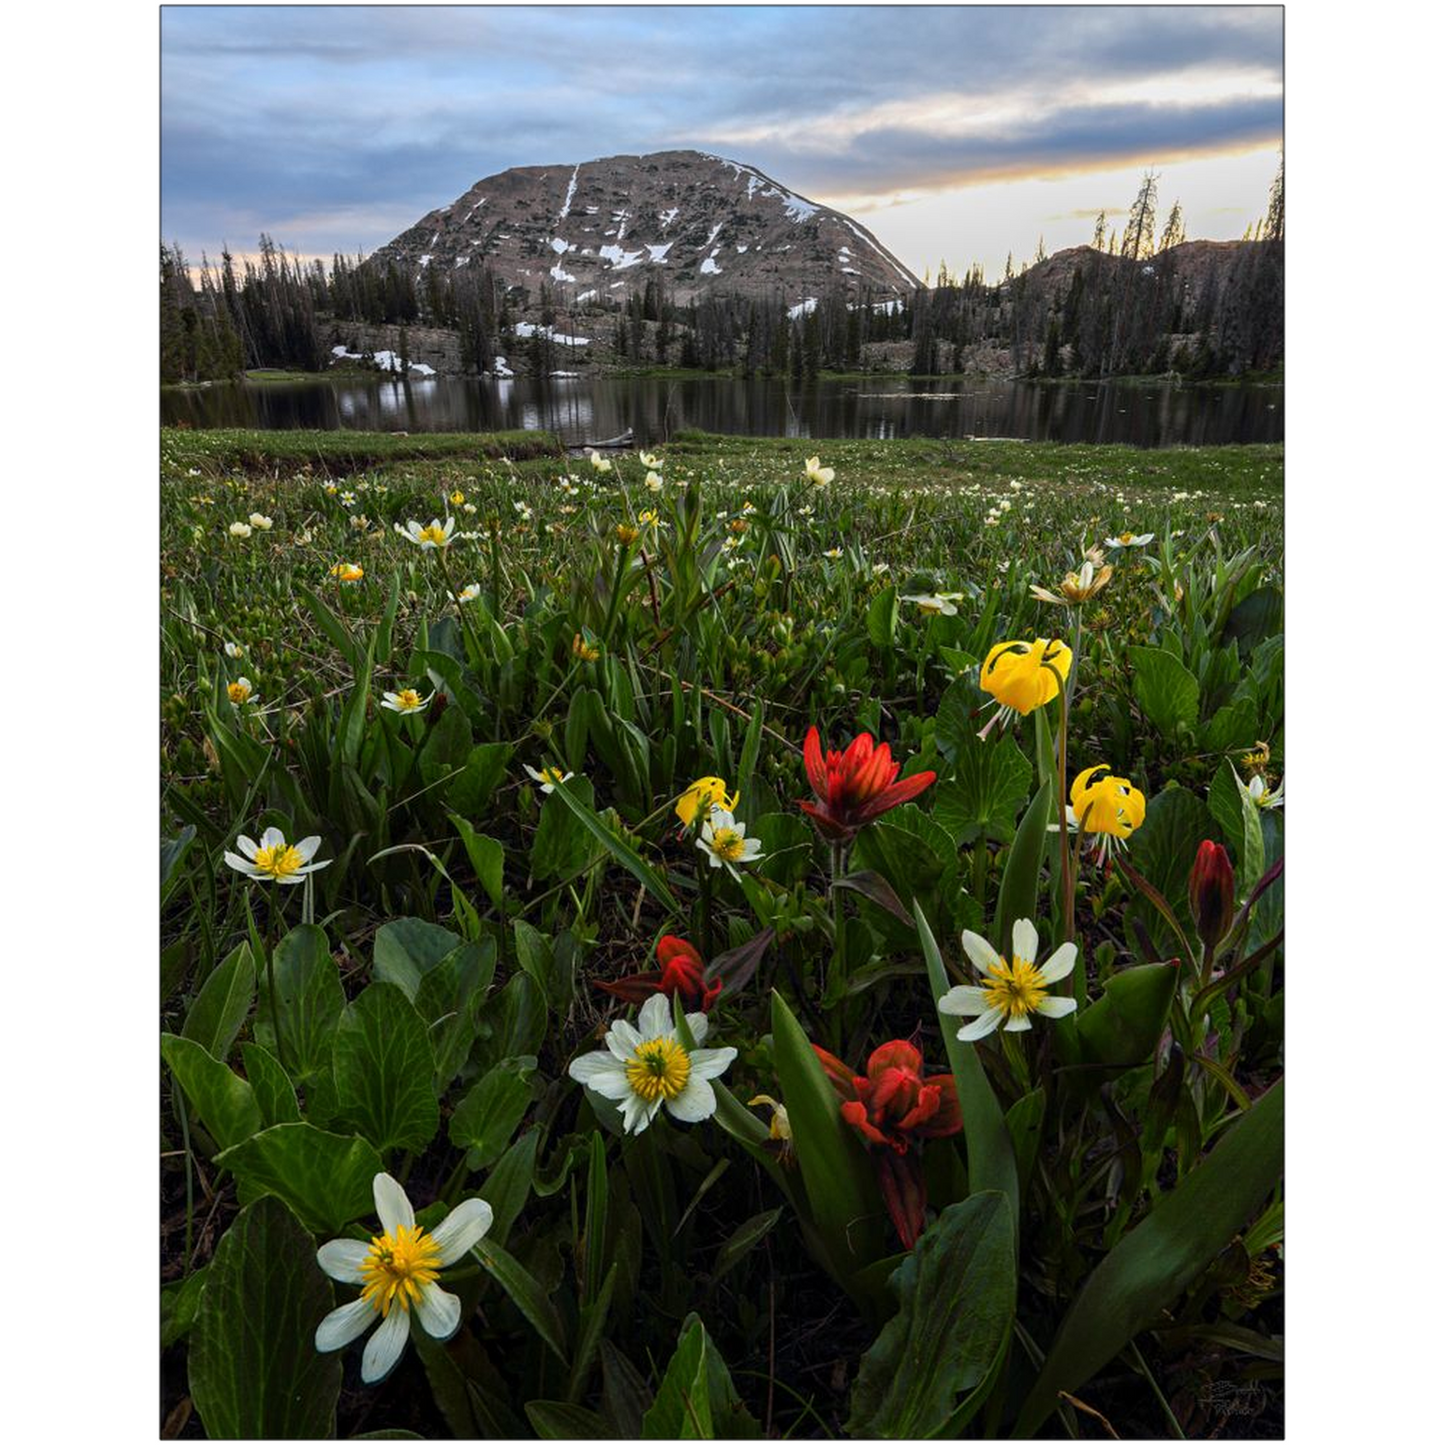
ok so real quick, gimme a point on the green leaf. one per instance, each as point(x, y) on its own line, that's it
point(221, 1098)
point(513, 1022)
point(910, 862)
point(489, 1114)
point(486, 856)
point(383, 1066)
point(509, 1186)
point(737, 1245)
point(623, 852)
point(254, 1370)
point(1258, 616)
point(449, 1000)
point(1251, 855)
point(1018, 894)
point(1156, 1262)
point(219, 1010)
point(1123, 1026)
point(883, 618)
point(172, 851)
point(557, 1420)
point(179, 1304)
point(447, 748)
point(324, 1178)
point(1166, 690)
point(986, 1137)
point(406, 949)
point(1163, 846)
point(472, 788)
point(841, 1188)
point(990, 785)
point(310, 999)
point(560, 848)
point(955, 1313)
point(696, 1399)
point(275, 1096)
point(526, 1293)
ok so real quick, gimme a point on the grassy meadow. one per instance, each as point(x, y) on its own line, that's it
point(506, 981)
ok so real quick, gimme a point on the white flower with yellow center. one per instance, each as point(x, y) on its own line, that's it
point(260, 523)
point(1128, 539)
point(548, 778)
point(430, 537)
point(647, 1068)
point(239, 691)
point(1264, 796)
point(833, 553)
point(599, 462)
point(934, 604)
point(1011, 991)
point(397, 1273)
point(817, 473)
point(275, 860)
point(348, 499)
point(470, 592)
point(239, 529)
point(648, 460)
point(725, 840)
point(235, 649)
point(653, 482)
point(407, 700)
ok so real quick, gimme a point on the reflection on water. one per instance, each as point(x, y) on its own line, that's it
point(586, 409)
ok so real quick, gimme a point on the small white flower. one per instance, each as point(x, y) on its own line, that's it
point(1128, 539)
point(599, 462)
point(276, 859)
point(430, 537)
point(240, 691)
point(833, 553)
point(260, 523)
point(817, 473)
point(1011, 991)
point(407, 700)
point(932, 603)
point(654, 482)
point(650, 461)
point(396, 1271)
point(235, 649)
point(240, 529)
point(548, 778)
point(645, 1068)
point(470, 592)
point(725, 841)
point(1265, 797)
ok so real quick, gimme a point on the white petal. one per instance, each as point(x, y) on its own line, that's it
point(699, 1025)
point(272, 837)
point(637, 1113)
point(461, 1229)
point(342, 1259)
point(393, 1208)
point(439, 1311)
point(696, 1102)
point(1060, 963)
point(1018, 1025)
point(1026, 940)
point(985, 1024)
point(1055, 1006)
point(710, 1063)
point(247, 845)
point(307, 847)
point(384, 1348)
point(980, 951)
point(964, 1000)
point(655, 1017)
point(602, 1072)
point(235, 861)
point(622, 1040)
point(343, 1325)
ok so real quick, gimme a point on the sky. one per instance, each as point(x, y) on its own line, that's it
point(955, 134)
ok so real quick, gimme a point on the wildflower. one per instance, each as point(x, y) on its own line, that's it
point(724, 840)
point(645, 1068)
point(933, 603)
point(599, 462)
point(1264, 796)
point(649, 519)
point(469, 508)
point(1077, 587)
point(817, 473)
point(303, 537)
point(583, 650)
point(360, 522)
point(833, 553)
point(626, 533)
point(548, 778)
point(709, 792)
point(1128, 539)
point(235, 649)
point(260, 523)
point(348, 499)
point(347, 572)
point(649, 461)
point(855, 786)
point(1108, 807)
point(430, 537)
point(1011, 992)
point(891, 1107)
point(1211, 892)
point(457, 497)
point(1024, 675)
point(780, 1130)
point(239, 529)
point(239, 691)
point(1258, 760)
point(275, 858)
point(681, 976)
point(407, 700)
point(396, 1271)
point(653, 482)
point(470, 592)
point(330, 489)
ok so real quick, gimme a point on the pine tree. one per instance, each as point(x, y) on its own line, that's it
point(1099, 232)
point(1138, 241)
point(1173, 228)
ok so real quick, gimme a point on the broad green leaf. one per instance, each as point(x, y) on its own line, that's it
point(221, 1098)
point(911, 862)
point(1258, 616)
point(1163, 846)
point(697, 1399)
point(883, 618)
point(383, 1066)
point(179, 1303)
point(955, 1312)
point(557, 1420)
point(991, 1163)
point(1157, 1260)
point(324, 1178)
point(1251, 855)
point(991, 783)
point(488, 1116)
point(275, 1096)
point(1019, 892)
point(449, 1000)
point(560, 849)
point(526, 1293)
point(1123, 1026)
point(172, 851)
point(219, 1010)
point(447, 746)
point(254, 1370)
point(486, 856)
point(1166, 690)
point(512, 1023)
point(472, 788)
point(509, 1185)
point(406, 949)
point(737, 1245)
point(310, 999)
point(622, 851)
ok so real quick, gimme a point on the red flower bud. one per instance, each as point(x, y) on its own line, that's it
point(853, 787)
point(1211, 892)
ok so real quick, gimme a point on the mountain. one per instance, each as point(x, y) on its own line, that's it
point(696, 222)
point(1192, 262)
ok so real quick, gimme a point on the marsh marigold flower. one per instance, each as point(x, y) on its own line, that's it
point(817, 473)
point(405, 701)
point(706, 793)
point(397, 1273)
point(431, 537)
point(855, 786)
point(239, 529)
point(1012, 990)
point(725, 840)
point(681, 976)
point(1128, 539)
point(646, 1068)
point(240, 691)
point(347, 572)
point(1077, 587)
point(274, 859)
point(547, 778)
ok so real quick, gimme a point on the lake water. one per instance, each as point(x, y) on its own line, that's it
point(589, 409)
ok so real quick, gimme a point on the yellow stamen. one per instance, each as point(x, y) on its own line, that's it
point(658, 1069)
point(409, 699)
point(432, 533)
point(728, 844)
point(398, 1266)
point(1014, 990)
point(279, 862)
